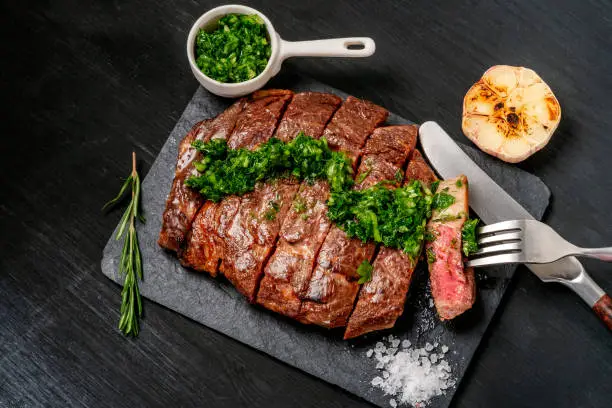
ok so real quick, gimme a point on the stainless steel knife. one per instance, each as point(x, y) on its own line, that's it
point(493, 204)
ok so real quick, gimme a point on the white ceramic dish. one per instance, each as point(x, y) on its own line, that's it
point(281, 50)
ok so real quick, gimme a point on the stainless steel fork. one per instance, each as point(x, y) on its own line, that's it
point(527, 241)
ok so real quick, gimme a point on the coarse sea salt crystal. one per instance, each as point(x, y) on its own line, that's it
point(369, 353)
point(444, 349)
point(412, 376)
point(391, 350)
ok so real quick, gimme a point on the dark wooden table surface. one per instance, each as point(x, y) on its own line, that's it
point(85, 82)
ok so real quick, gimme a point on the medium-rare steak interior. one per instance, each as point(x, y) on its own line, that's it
point(275, 242)
point(452, 286)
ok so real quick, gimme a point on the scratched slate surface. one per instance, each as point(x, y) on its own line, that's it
point(322, 353)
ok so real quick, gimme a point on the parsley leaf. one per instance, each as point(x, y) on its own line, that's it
point(468, 236)
point(442, 200)
point(434, 186)
point(431, 256)
point(365, 272)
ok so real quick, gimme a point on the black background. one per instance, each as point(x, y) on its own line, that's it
point(85, 82)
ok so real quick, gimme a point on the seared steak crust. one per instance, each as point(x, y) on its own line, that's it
point(352, 124)
point(333, 286)
point(254, 232)
point(183, 202)
point(381, 301)
point(276, 244)
point(288, 273)
point(254, 125)
point(308, 112)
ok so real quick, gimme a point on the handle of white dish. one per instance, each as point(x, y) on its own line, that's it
point(336, 47)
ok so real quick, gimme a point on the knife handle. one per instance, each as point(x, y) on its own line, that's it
point(603, 309)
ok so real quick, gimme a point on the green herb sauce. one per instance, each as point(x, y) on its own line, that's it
point(225, 171)
point(442, 200)
point(396, 218)
point(238, 50)
point(468, 236)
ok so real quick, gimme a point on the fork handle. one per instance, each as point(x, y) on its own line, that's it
point(603, 309)
point(603, 254)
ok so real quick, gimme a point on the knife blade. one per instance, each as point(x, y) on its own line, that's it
point(493, 204)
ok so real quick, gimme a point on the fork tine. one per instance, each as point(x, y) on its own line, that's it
point(512, 236)
point(495, 260)
point(500, 227)
point(515, 246)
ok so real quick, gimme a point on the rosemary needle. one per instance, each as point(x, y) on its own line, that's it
point(130, 264)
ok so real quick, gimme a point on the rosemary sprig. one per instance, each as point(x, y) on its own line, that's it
point(130, 264)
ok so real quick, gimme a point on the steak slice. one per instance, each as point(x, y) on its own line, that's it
point(333, 286)
point(418, 169)
point(254, 231)
point(260, 118)
point(452, 287)
point(205, 239)
point(352, 124)
point(264, 107)
point(183, 202)
point(308, 112)
point(186, 153)
point(381, 300)
point(288, 272)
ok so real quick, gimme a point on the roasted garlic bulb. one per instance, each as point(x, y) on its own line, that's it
point(511, 113)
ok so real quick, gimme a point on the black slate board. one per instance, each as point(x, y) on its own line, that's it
point(322, 353)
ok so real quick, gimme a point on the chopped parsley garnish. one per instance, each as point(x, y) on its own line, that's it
point(299, 205)
point(238, 50)
point(362, 176)
point(468, 237)
point(442, 200)
point(399, 176)
point(431, 256)
point(365, 272)
point(225, 171)
point(434, 186)
point(459, 183)
point(271, 212)
point(396, 218)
